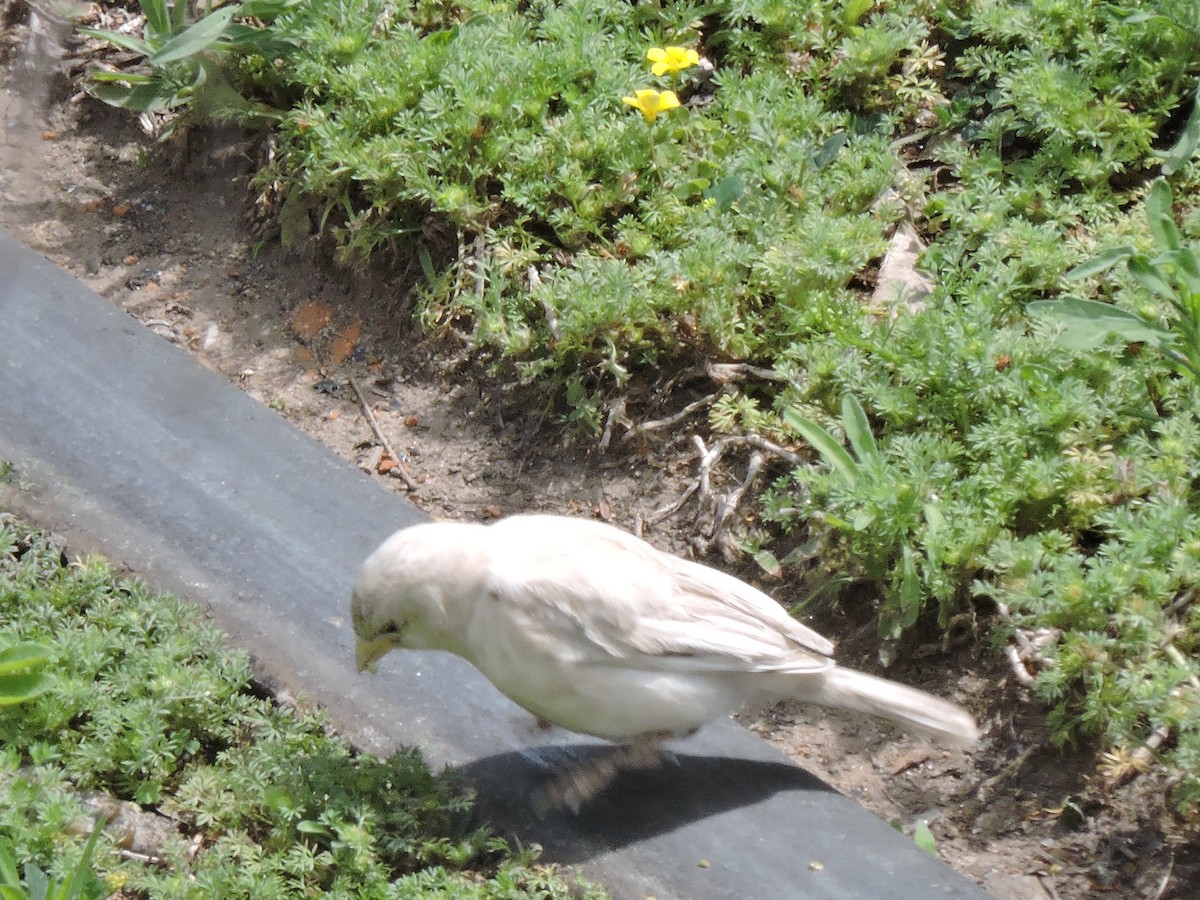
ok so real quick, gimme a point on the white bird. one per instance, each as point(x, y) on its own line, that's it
point(592, 629)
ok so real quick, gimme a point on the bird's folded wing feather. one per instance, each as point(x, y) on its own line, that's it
point(607, 597)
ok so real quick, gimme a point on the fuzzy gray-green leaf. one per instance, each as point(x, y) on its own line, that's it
point(1090, 322)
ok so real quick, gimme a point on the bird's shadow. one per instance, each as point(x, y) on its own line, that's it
point(636, 805)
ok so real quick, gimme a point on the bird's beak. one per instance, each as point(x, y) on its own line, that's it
point(367, 653)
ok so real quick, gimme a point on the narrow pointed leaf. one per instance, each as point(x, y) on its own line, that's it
point(858, 429)
point(158, 16)
point(131, 78)
point(1188, 270)
point(823, 442)
point(1160, 216)
point(1148, 276)
point(124, 41)
point(1189, 140)
point(82, 877)
point(1100, 263)
point(195, 39)
point(8, 864)
point(911, 595)
point(146, 97)
point(179, 15)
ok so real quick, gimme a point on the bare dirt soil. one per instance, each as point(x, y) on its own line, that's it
point(163, 232)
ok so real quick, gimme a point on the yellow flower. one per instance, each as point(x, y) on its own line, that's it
point(671, 59)
point(651, 103)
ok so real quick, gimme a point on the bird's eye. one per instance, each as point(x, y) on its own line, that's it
point(392, 628)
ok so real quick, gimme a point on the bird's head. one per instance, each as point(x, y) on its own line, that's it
point(404, 595)
point(373, 641)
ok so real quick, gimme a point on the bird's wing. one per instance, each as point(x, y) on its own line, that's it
point(602, 595)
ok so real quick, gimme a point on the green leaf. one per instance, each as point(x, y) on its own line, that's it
point(195, 39)
point(22, 672)
point(426, 262)
point(8, 864)
point(294, 224)
point(828, 150)
point(267, 10)
point(122, 78)
point(16, 689)
point(1150, 277)
point(1189, 140)
point(1101, 263)
point(124, 41)
point(158, 16)
point(726, 191)
point(911, 596)
point(250, 39)
point(1188, 270)
point(924, 838)
point(310, 826)
point(83, 881)
point(23, 658)
point(933, 517)
point(179, 13)
point(1161, 217)
point(858, 429)
point(152, 96)
point(1090, 322)
point(768, 563)
point(863, 519)
point(822, 441)
point(854, 11)
point(37, 884)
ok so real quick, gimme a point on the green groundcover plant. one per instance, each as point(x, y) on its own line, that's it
point(142, 701)
point(600, 194)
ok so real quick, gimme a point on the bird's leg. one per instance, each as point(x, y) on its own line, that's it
point(577, 785)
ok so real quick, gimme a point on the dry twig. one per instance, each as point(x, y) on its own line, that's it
point(143, 857)
point(757, 440)
point(727, 503)
point(1144, 755)
point(722, 373)
point(399, 460)
point(1047, 883)
point(1166, 879)
point(986, 789)
point(670, 509)
point(616, 416)
point(702, 485)
point(643, 427)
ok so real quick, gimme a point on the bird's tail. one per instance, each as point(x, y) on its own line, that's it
point(910, 708)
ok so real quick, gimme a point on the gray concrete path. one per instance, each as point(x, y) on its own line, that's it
point(125, 445)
